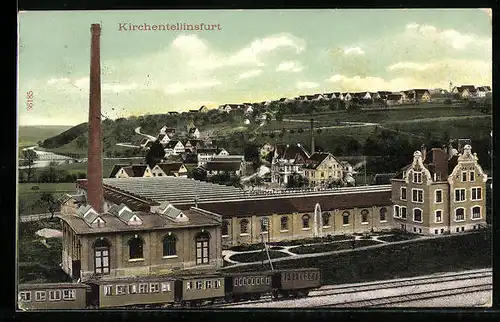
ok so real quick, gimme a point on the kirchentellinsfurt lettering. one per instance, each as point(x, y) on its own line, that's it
point(179, 26)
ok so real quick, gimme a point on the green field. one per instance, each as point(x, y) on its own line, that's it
point(321, 248)
point(257, 256)
point(29, 198)
point(454, 253)
point(30, 135)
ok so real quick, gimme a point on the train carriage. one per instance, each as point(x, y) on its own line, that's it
point(196, 289)
point(295, 282)
point(248, 285)
point(50, 296)
point(136, 291)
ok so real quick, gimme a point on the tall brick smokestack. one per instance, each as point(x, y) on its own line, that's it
point(312, 137)
point(94, 167)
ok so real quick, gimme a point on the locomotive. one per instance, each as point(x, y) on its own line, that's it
point(169, 291)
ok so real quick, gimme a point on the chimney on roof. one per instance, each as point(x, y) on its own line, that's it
point(312, 136)
point(94, 164)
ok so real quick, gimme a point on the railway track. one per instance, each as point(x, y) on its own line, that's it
point(331, 290)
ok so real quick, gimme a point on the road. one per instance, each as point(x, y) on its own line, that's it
point(150, 137)
point(458, 289)
point(30, 218)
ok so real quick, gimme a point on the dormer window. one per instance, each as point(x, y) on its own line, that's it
point(417, 177)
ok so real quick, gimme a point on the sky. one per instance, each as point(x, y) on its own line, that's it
point(251, 56)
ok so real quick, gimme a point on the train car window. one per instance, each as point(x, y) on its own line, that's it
point(143, 288)
point(208, 284)
point(121, 289)
point(132, 288)
point(40, 296)
point(252, 281)
point(267, 280)
point(108, 290)
point(262, 280)
point(236, 281)
point(25, 296)
point(154, 287)
point(165, 287)
point(257, 281)
point(189, 285)
point(217, 283)
point(55, 295)
point(69, 295)
point(199, 285)
point(249, 281)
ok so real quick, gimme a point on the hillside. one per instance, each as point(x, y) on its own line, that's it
point(30, 135)
point(64, 137)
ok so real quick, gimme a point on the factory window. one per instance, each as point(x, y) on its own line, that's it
point(326, 219)
point(165, 287)
point(68, 295)
point(417, 215)
point(383, 212)
point(476, 212)
point(284, 223)
point(305, 221)
point(154, 287)
point(364, 216)
point(202, 249)
point(244, 226)
point(101, 256)
point(25, 296)
point(132, 288)
point(40, 295)
point(121, 289)
point(55, 295)
point(143, 288)
point(459, 214)
point(169, 245)
point(475, 193)
point(225, 226)
point(135, 248)
point(264, 225)
point(345, 218)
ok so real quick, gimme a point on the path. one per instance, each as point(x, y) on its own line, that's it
point(138, 131)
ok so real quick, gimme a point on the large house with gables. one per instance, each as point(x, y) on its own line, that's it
point(287, 160)
point(174, 147)
point(323, 168)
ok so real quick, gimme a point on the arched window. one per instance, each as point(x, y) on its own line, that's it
point(135, 248)
point(383, 212)
point(305, 221)
point(345, 218)
point(284, 223)
point(202, 240)
point(364, 216)
point(244, 226)
point(417, 214)
point(459, 214)
point(264, 224)
point(101, 256)
point(326, 219)
point(169, 245)
point(476, 212)
point(225, 228)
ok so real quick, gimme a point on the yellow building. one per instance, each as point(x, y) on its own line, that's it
point(322, 168)
point(439, 194)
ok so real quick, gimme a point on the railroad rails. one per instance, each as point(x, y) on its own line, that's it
point(368, 294)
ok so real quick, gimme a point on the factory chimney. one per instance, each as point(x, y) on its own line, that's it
point(312, 136)
point(94, 166)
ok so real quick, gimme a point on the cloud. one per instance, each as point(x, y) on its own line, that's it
point(306, 85)
point(354, 51)
point(54, 81)
point(289, 66)
point(250, 73)
point(451, 37)
point(179, 87)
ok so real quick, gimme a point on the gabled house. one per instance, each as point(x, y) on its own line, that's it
point(205, 155)
point(383, 94)
point(329, 96)
point(323, 168)
point(116, 169)
point(173, 113)
point(289, 100)
point(174, 147)
point(203, 109)
point(134, 170)
point(302, 98)
point(465, 91)
point(339, 95)
point(167, 130)
point(172, 169)
point(193, 144)
point(163, 138)
point(347, 96)
point(194, 133)
point(362, 96)
point(144, 142)
point(481, 91)
point(217, 167)
point(249, 110)
point(417, 96)
point(394, 99)
point(287, 160)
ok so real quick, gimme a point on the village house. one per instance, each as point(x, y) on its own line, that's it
point(174, 147)
point(167, 130)
point(465, 91)
point(194, 133)
point(287, 160)
point(416, 96)
point(439, 95)
point(163, 138)
point(171, 169)
point(203, 109)
point(126, 242)
point(339, 95)
point(362, 96)
point(266, 149)
point(173, 113)
point(193, 145)
point(440, 192)
point(394, 99)
point(130, 171)
point(347, 97)
point(384, 94)
point(323, 168)
point(233, 167)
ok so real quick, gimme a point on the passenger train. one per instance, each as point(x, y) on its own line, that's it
point(179, 291)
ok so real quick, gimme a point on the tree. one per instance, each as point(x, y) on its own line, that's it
point(155, 154)
point(279, 116)
point(252, 154)
point(30, 156)
point(199, 174)
point(49, 202)
point(297, 181)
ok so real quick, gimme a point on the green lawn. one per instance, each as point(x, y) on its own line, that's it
point(455, 253)
point(398, 237)
point(25, 188)
point(257, 256)
point(315, 240)
point(320, 248)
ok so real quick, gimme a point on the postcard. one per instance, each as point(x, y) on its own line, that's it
point(248, 159)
